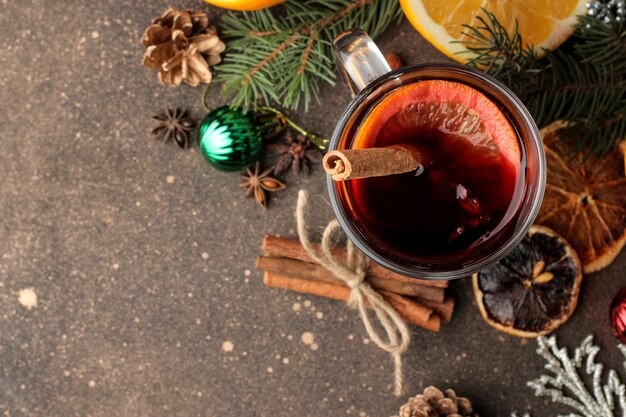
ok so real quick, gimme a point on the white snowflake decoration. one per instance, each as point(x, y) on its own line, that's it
point(565, 385)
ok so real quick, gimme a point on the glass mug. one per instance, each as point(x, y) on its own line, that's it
point(371, 80)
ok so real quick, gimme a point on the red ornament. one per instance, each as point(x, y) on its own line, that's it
point(618, 315)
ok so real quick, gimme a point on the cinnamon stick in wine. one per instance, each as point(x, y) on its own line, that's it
point(291, 248)
point(306, 270)
point(351, 164)
point(404, 306)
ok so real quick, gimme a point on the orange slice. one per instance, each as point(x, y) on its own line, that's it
point(475, 128)
point(244, 4)
point(541, 23)
point(585, 202)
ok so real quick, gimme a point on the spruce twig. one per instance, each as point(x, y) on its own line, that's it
point(284, 59)
point(583, 82)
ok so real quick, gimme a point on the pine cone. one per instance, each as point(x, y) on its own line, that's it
point(182, 45)
point(434, 403)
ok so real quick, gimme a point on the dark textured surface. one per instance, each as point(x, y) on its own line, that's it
point(141, 255)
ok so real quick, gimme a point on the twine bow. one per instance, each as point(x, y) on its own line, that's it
point(353, 273)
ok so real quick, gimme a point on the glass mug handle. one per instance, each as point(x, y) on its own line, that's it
point(359, 59)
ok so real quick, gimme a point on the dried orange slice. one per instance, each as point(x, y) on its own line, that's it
point(585, 202)
point(541, 23)
point(534, 289)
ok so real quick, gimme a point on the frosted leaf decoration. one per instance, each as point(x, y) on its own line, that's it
point(563, 382)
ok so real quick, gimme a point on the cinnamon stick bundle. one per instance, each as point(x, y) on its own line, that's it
point(408, 309)
point(291, 248)
point(443, 309)
point(286, 265)
point(306, 270)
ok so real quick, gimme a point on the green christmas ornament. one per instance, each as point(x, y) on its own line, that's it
point(232, 140)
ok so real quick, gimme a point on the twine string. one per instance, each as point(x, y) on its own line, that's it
point(353, 273)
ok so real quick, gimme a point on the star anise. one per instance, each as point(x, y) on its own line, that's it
point(174, 124)
point(257, 183)
point(298, 153)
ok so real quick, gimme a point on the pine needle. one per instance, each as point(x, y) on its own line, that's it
point(284, 59)
point(583, 82)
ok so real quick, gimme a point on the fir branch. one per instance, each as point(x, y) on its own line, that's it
point(583, 83)
point(595, 137)
point(307, 52)
point(494, 50)
point(261, 34)
point(602, 44)
point(286, 58)
point(258, 67)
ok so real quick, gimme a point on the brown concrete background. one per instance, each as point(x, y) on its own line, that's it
point(132, 319)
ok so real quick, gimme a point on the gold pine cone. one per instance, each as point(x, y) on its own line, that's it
point(182, 46)
point(435, 403)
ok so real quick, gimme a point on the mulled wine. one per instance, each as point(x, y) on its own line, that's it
point(434, 170)
point(468, 189)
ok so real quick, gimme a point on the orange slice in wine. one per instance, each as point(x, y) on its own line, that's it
point(475, 129)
